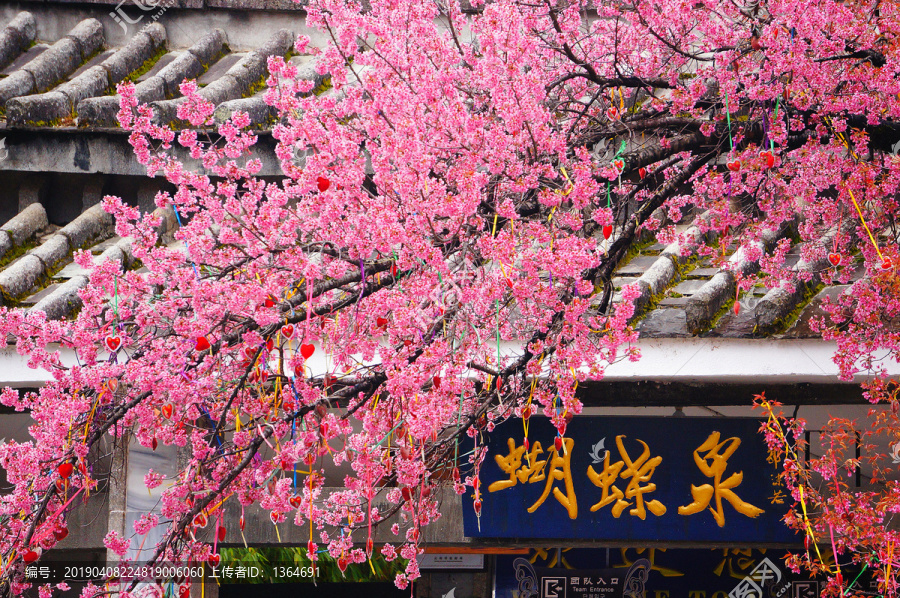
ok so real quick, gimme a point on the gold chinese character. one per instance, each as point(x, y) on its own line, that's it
point(713, 465)
point(533, 470)
point(559, 470)
point(640, 472)
point(650, 556)
point(738, 560)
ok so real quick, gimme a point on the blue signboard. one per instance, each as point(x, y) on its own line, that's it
point(660, 573)
point(630, 478)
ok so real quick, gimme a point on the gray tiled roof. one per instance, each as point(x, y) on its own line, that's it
point(36, 267)
point(71, 81)
point(69, 84)
point(682, 295)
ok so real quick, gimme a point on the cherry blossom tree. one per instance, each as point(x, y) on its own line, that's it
point(439, 254)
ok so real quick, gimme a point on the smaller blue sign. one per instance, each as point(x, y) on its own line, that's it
point(617, 478)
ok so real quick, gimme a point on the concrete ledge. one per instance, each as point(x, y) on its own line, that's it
point(16, 37)
point(24, 224)
point(79, 151)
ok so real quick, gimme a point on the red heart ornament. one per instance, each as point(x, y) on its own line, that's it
point(31, 556)
point(65, 470)
point(201, 520)
point(153, 444)
point(241, 523)
point(381, 322)
point(287, 331)
point(213, 560)
point(394, 270)
point(202, 344)
point(221, 533)
point(557, 443)
point(526, 413)
point(886, 264)
point(436, 381)
point(834, 258)
point(296, 501)
point(270, 301)
point(112, 343)
point(61, 534)
point(307, 350)
point(612, 113)
point(323, 184)
point(342, 564)
point(737, 307)
point(166, 411)
point(274, 517)
point(249, 353)
point(734, 165)
point(619, 165)
point(184, 591)
point(642, 172)
point(526, 444)
point(407, 493)
point(607, 231)
point(769, 159)
point(477, 506)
